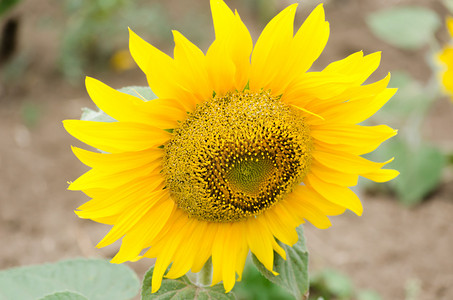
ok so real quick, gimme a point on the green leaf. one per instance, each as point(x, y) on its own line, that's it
point(412, 100)
point(95, 115)
point(331, 283)
point(293, 273)
point(182, 288)
point(368, 295)
point(5, 5)
point(411, 93)
point(91, 278)
point(421, 173)
point(406, 27)
point(142, 92)
point(64, 296)
point(255, 286)
point(420, 168)
point(449, 5)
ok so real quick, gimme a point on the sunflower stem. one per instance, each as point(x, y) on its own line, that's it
point(205, 275)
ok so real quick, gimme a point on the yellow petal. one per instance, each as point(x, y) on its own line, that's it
point(117, 162)
point(310, 40)
point(207, 237)
point(189, 254)
point(354, 112)
point(243, 248)
point(304, 194)
point(95, 178)
point(144, 231)
point(342, 196)
point(272, 51)
point(165, 248)
point(161, 72)
point(313, 87)
point(382, 175)
point(191, 65)
point(259, 239)
point(116, 137)
point(229, 55)
point(305, 48)
point(345, 162)
point(221, 69)
point(131, 216)
point(356, 65)
point(127, 108)
point(185, 253)
point(219, 249)
point(354, 139)
point(333, 176)
point(280, 224)
point(308, 210)
point(450, 25)
point(115, 201)
point(277, 248)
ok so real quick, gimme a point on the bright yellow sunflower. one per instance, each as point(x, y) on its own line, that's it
point(241, 146)
point(446, 59)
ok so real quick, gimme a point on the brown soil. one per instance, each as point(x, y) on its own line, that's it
point(387, 249)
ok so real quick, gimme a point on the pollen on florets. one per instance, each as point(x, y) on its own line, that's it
point(236, 156)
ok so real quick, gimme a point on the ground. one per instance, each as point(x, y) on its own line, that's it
point(388, 249)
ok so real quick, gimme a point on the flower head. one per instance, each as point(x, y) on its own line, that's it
point(242, 145)
point(446, 59)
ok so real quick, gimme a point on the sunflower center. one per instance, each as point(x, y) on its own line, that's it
point(249, 174)
point(236, 156)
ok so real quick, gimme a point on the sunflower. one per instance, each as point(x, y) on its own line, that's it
point(241, 146)
point(446, 59)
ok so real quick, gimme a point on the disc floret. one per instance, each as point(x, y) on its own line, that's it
point(236, 156)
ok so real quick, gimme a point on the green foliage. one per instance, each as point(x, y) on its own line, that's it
point(64, 296)
point(70, 280)
point(293, 273)
point(95, 115)
point(254, 286)
point(11, 71)
point(91, 33)
point(143, 92)
point(412, 100)
point(449, 5)
point(368, 295)
point(181, 289)
point(31, 113)
point(420, 167)
point(330, 284)
point(6, 5)
point(406, 27)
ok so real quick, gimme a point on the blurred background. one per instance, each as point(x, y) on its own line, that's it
point(399, 249)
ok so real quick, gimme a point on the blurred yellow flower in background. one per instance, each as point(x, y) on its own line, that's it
point(121, 61)
point(446, 58)
point(241, 146)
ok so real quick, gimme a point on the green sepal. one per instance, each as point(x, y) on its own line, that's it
point(293, 273)
point(182, 288)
